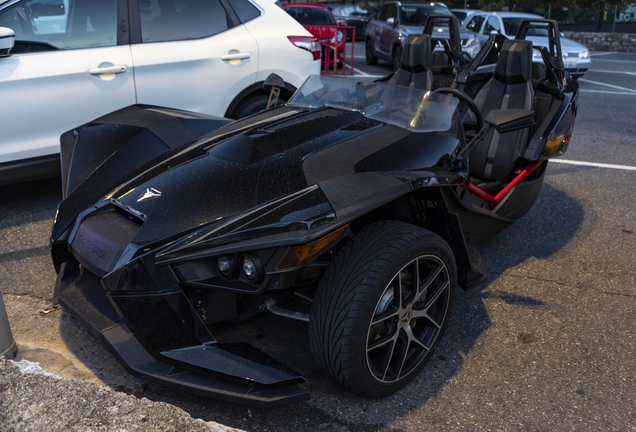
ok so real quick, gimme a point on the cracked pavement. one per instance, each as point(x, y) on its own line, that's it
point(547, 343)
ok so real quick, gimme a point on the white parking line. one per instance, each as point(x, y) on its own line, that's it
point(603, 53)
point(612, 72)
point(615, 61)
point(608, 85)
point(360, 57)
point(608, 92)
point(595, 164)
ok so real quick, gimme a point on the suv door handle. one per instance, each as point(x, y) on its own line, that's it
point(236, 56)
point(108, 70)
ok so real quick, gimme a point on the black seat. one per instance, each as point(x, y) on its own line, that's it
point(415, 68)
point(510, 88)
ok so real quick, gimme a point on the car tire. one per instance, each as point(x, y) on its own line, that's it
point(397, 57)
point(372, 60)
point(359, 286)
point(251, 105)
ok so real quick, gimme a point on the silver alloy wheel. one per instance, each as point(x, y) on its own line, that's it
point(408, 318)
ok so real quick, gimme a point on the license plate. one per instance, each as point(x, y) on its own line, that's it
point(569, 65)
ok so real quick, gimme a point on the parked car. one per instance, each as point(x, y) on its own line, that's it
point(463, 15)
point(321, 23)
point(395, 21)
point(75, 60)
point(576, 57)
point(353, 16)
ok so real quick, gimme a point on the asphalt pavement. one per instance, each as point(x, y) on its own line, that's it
point(547, 343)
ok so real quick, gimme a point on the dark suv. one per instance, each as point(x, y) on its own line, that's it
point(395, 21)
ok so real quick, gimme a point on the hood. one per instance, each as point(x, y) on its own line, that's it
point(567, 45)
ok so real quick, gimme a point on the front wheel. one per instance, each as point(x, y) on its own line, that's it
point(371, 59)
point(382, 307)
point(397, 58)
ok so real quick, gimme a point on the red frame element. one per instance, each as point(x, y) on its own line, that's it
point(494, 201)
point(335, 55)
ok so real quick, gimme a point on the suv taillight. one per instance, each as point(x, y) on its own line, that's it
point(308, 43)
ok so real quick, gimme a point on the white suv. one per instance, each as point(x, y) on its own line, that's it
point(76, 60)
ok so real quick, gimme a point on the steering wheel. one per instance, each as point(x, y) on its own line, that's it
point(465, 98)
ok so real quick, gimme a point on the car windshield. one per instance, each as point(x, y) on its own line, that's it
point(512, 26)
point(408, 108)
point(460, 15)
point(415, 15)
point(311, 15)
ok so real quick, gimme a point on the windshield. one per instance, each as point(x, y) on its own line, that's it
point(460, 15)
point(408, 108)
point(415, 15)
point(512, 26)
point(311, 15)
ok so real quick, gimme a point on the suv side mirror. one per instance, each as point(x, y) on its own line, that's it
point(390, 21)
point(274, 84)
point(7, 40)
point(509, 120)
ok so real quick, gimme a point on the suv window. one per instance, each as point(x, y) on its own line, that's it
point(173, 20)
point(393, 13)
point(245, 10)
point(384, 13)
point(492, 24)
point(416, 15)
point(475, 23)
point(311, 15)
point(50, 25)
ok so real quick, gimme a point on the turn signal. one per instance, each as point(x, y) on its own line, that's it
point(296, 256)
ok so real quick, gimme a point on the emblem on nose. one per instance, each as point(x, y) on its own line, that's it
point(405, 317)
point(150, 193)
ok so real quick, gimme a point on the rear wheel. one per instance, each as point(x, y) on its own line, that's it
point(382, 307)
point(251, 105)
point(372, 60)
point(397, 58)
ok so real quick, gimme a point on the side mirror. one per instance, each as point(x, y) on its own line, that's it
point(7, 40)
point(494, 32)
point(274, 84)
point(390, 21)
point(510, 120)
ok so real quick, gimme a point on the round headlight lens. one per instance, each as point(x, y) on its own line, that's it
point(248, 266)
point(224, 265)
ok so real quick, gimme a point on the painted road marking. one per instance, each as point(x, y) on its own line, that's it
point(615, 61)
point(603, 53)
point(612, 72)
point(608, 85)
point(608, 92)
point(595, 164)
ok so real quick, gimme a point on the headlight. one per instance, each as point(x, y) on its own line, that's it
point(225, 265)
point(471, 41)
point(536, 54)
point(339, 37)
point(251, 267)
point(584, 54)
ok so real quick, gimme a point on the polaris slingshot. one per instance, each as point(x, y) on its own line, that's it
point(365, 198)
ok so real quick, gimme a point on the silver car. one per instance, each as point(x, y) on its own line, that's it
point(576, 57)
point(395, 21)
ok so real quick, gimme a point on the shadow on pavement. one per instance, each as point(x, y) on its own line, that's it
point(548, 227)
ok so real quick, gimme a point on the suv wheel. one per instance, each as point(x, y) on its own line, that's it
point(368, 52)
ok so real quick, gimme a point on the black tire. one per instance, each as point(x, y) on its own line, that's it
point(397, 57)
point(344, 340)
point(372, 60)
point(251, 105)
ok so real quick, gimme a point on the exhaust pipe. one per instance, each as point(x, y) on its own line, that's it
point(8, 348)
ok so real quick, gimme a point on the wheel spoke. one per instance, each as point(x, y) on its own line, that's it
point(384, 316)
point(404, 350)
point(412, 339)
point(386, 359)
point(431, 301)
point(414, 290)
point(382, 341)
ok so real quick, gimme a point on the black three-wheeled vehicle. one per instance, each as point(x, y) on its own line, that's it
point(364, 198)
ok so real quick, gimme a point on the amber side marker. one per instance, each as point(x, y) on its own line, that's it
point(296, 256)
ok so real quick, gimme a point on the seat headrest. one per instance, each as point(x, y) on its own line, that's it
point(538, 71)
point(515, 62)
point(417, 55)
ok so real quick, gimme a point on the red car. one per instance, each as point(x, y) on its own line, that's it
point(318, 20)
